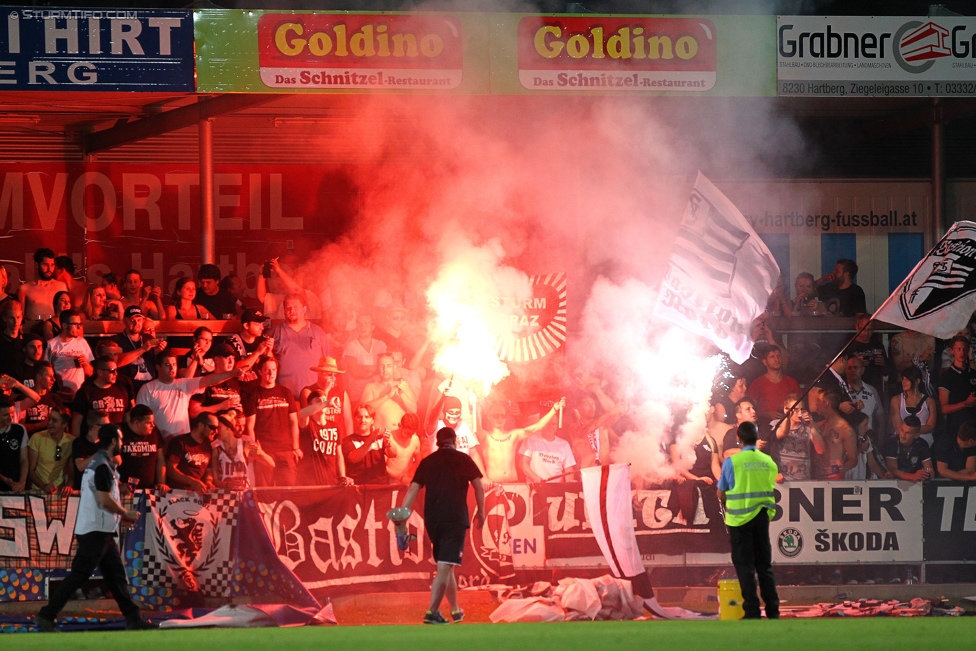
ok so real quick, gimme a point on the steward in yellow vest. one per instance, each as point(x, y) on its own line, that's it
point(746, 489)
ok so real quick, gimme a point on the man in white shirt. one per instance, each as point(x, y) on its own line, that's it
point(169, 396)
point(544, 456)
point(69, 353)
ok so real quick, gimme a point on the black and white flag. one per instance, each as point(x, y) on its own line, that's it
point(937, 298)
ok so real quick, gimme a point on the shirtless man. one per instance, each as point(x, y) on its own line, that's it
point(591, 436)
point(37, 296)
point(390, 397)
point(135, 293)
point(498, 446)
point(405, 444)
point(838, 436)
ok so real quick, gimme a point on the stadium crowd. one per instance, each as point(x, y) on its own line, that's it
point(348, 396)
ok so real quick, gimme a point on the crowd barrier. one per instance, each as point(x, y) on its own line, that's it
point(290, 544)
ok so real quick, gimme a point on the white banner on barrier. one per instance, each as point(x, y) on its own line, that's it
point(847, 522)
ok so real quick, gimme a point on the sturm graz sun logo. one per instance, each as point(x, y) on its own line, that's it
point(790, 542)
point(943, 278)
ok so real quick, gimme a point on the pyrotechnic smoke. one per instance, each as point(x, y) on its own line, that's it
point(462, 197)
point(466, 325)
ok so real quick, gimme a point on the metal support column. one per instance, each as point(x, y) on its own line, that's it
point(206, 192)
point(939, 219)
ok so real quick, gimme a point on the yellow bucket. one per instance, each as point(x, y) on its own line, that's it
point(729, 600)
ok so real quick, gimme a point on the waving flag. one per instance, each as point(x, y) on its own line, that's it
point(937, 296)
point(606, 494)
point(720, 274)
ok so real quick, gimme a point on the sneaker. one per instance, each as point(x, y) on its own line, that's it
point(435, 618)
point(457, 616)
point(45, 625)
point(141, 625)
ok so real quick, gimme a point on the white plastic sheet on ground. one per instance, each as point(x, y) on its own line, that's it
point(574, 599)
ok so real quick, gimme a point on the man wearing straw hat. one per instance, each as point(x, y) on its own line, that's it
point(330, 382)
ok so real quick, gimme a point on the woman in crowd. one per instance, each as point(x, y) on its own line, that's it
point(183, 307)
point(799, 440)
point(49, 455)
point(913, 401)
point(98, 307)
point(197, 361)
point(51, 328)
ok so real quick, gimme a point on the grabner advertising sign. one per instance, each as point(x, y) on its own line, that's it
point(96, 49)
point(847, 522)
point(876, 56)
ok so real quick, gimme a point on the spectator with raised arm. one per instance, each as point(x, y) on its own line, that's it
point(839, 293)
point(136, 294)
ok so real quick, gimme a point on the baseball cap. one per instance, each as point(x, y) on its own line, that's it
point(251, 315)
point(133, 310)
point(223, 350)
point(446, 435)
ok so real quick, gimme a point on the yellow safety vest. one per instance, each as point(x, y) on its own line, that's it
point(755, 477)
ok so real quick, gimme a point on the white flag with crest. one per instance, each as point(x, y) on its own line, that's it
point(720, 274)
point(937, 298)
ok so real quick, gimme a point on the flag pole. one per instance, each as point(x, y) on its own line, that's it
point(806, 392)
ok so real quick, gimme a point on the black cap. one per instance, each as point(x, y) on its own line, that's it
point(251, 315)
point(446, 435)
point(106, 433)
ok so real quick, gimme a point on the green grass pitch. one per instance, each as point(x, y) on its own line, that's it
point(882, 633)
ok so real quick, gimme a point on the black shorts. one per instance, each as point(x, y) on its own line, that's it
point(448, 541)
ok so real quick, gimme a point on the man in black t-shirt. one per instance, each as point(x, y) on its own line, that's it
point(188, 456)
point(100, 393)
point(446, 474)
point(839, 293)
point(955, 458)
point(907, 456)
point(365, 449)
point(229, 394)
point(219, 302)
point(143, 451)
point(272, 421)
point(13, 450)
point(957, 388)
